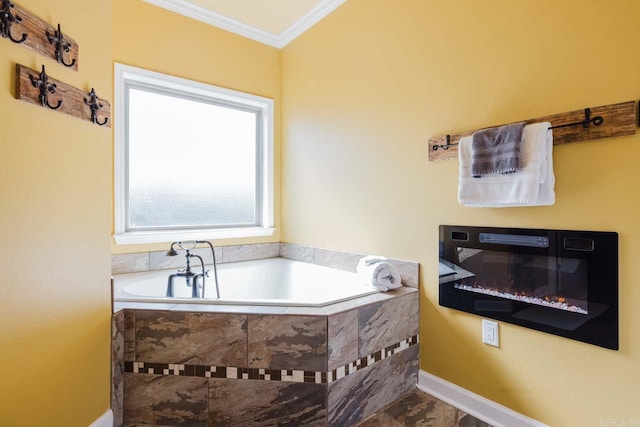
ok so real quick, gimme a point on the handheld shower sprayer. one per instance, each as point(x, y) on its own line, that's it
point(187, 245)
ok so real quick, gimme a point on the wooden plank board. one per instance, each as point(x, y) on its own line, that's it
point(36, 31)
point(73, 99)
point(619, 119)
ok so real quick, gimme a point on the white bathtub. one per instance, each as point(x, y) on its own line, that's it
point(272, 281)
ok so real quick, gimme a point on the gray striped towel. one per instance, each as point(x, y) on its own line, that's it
point(496, 150)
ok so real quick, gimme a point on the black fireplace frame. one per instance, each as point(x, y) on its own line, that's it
point(598, 248)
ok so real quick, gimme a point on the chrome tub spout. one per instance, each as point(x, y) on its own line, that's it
point(196, 281)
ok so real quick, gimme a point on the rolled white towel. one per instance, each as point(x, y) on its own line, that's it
point(375, 271)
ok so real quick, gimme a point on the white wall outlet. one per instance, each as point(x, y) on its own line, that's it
point(490, 333)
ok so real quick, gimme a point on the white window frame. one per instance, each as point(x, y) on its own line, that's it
point(124, 74)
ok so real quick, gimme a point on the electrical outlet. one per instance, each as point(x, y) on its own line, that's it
point(490, 333)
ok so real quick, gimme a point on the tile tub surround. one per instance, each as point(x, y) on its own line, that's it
point(145, 261)
point(206, 369)
point(348, 261)
point(117, 365)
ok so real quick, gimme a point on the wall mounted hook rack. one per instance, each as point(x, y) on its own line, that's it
point(597, 120)
point(61, 46)
point(94, 106)
point(45, 87)
point(38, 35)
point(607, 120)
point(7, 19)
point(74, 101)
point(446, 146)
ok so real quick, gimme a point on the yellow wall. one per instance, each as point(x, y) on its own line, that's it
point(56, 180)
point(55, 193)
point(365, 88)
point(361, 93)
point(152, 38)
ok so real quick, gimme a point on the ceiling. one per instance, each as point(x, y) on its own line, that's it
point(272, 22)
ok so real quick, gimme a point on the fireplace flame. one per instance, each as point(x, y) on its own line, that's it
point(553, 301)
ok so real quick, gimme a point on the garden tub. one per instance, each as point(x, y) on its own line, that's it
point(271, 281)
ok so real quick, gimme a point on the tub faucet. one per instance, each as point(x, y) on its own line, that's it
point(192, 279)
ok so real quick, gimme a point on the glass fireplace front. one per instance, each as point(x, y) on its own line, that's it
point(557, 281)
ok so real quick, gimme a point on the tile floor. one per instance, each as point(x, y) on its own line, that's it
point(420, 409)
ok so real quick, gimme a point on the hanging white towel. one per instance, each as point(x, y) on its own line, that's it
point(533, 185)
point(375, 271)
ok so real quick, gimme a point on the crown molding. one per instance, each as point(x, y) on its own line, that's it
point(308, 20)
point(279, 41)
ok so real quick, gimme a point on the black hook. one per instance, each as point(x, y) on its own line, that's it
point(57, 39)
point(94, 105)
point(7, 19)
point(444, 146)
point(597, 121)
point(45, 88)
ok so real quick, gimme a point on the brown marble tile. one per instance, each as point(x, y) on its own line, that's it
point(148, 425)
point(297, 252)
point(160, 260)
point(361, 394)
point(191, 338)
point(165, 400)
point(386, 323)
point(129, 335)
point(409, 271)
point(341, 260)
point(237, 253)
point(378, 297)
point(348, 261)
point(422, 410)
point(266, 403)
point(343, 338)
point(287, 342)
point(381, 420)
point(129, 263)
point(117, 367)
point(470, 421)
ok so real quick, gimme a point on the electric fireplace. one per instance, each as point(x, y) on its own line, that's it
point(557, 281)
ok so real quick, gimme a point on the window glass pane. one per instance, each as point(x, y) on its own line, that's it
point(190, 163)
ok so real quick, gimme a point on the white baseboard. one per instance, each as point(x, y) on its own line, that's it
point(106, 420)
point(473, 404)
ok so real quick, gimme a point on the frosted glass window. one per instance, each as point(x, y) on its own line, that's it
point(191, 163)
point(191, 160)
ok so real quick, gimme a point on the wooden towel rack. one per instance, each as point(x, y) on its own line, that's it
point(579, 125)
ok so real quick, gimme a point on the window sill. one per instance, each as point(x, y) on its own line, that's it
point(141, 237)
